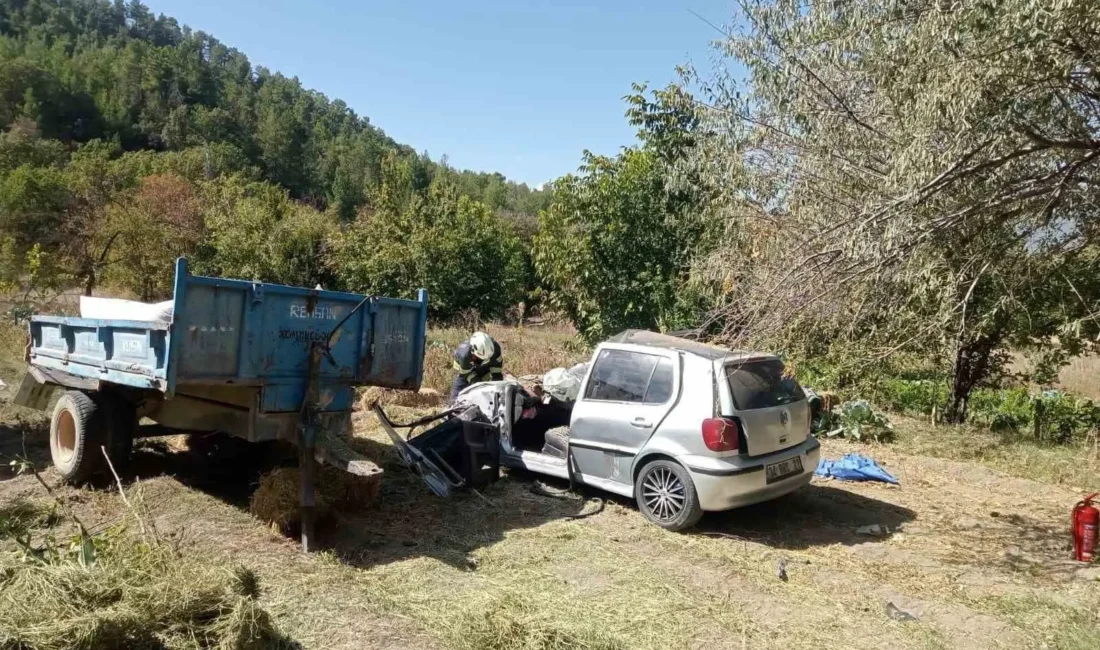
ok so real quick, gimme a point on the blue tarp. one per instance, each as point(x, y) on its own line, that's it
point(854, 467)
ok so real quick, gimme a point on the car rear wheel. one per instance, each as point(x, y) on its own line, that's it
point(666, 495)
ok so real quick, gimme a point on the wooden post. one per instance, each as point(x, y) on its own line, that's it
point(1037, 417)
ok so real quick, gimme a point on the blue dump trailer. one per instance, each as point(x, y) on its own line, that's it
point(254, 360)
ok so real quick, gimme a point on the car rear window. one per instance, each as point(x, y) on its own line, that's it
point(761, 385)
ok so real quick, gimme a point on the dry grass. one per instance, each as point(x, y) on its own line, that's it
point(425, 398)
point(134, 593)
point(1082, 376)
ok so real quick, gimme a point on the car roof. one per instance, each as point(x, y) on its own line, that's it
point(669, 342)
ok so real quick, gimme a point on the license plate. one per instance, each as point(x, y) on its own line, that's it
point(783, 469)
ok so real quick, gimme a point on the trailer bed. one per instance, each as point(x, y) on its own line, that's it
point(235, 333)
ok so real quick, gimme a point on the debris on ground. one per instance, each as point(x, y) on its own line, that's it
point(874, 530)
point(897, 614)
point(854, 467)
point(781, 570)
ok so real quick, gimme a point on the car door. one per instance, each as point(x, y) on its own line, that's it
point(626, 395)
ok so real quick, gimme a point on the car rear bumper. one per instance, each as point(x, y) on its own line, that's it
point(724, 483)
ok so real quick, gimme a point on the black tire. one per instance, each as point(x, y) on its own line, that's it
point(666, 495)
point(121, 421)
point(76, 433)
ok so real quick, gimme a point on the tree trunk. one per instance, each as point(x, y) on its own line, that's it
point(89, 283)
point(972, 366)
point(961, 387)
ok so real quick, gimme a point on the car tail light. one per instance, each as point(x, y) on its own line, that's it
point(720, 434)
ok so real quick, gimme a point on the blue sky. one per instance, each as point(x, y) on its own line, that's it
point(520, 87)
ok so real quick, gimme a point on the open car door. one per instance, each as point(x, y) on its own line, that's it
point(457, 452)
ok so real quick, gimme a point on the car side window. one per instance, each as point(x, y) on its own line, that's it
point(660, 385)
point(622, 376)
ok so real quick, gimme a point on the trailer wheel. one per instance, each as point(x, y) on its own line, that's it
point(76, 433)
point(121, 424)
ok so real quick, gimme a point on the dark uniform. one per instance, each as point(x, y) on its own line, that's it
point(468, 370)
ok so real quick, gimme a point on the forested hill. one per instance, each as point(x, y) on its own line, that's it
point(83, 70)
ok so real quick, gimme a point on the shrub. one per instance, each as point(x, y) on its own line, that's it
point(1004, 409)
point(856, 420)
point(1064, 418)
point(912, 396)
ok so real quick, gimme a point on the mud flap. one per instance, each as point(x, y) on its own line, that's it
point(32, 393)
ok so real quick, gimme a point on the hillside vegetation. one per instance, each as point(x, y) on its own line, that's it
point(128, 140)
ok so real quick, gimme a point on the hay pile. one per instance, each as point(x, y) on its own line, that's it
point(425, 398)
point(275, 501)
point(133, 595)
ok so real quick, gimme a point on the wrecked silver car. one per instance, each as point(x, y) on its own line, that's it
point(679, 426)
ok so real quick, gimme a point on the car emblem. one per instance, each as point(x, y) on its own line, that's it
point(784, 418)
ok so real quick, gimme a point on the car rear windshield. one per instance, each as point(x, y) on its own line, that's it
point(761, 385)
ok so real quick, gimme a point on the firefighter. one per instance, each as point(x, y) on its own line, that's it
point(478, 359)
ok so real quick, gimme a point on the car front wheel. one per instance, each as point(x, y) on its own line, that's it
point(666, 495)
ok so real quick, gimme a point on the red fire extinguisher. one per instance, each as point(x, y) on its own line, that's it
point(1086, 520)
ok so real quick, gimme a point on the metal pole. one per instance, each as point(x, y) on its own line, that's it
point(307, 439)
point(308, 469)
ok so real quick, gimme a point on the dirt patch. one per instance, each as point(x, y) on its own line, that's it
point(961, 626)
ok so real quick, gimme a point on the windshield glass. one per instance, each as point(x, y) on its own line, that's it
point(761, 385)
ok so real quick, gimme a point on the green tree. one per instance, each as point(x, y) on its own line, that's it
point(615, 245)
point(33, 201)
point(86, 236)
point(455, 247)
point(158, 222)
point(906, 177)
point(257, 233)
point(610, 249)
point(23, 145)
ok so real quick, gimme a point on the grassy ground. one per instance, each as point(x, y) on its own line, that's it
point(974, 547)
point(1011, 453)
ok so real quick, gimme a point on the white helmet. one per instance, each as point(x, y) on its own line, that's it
point(482, 345)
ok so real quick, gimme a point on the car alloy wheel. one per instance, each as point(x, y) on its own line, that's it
point(664, 494)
